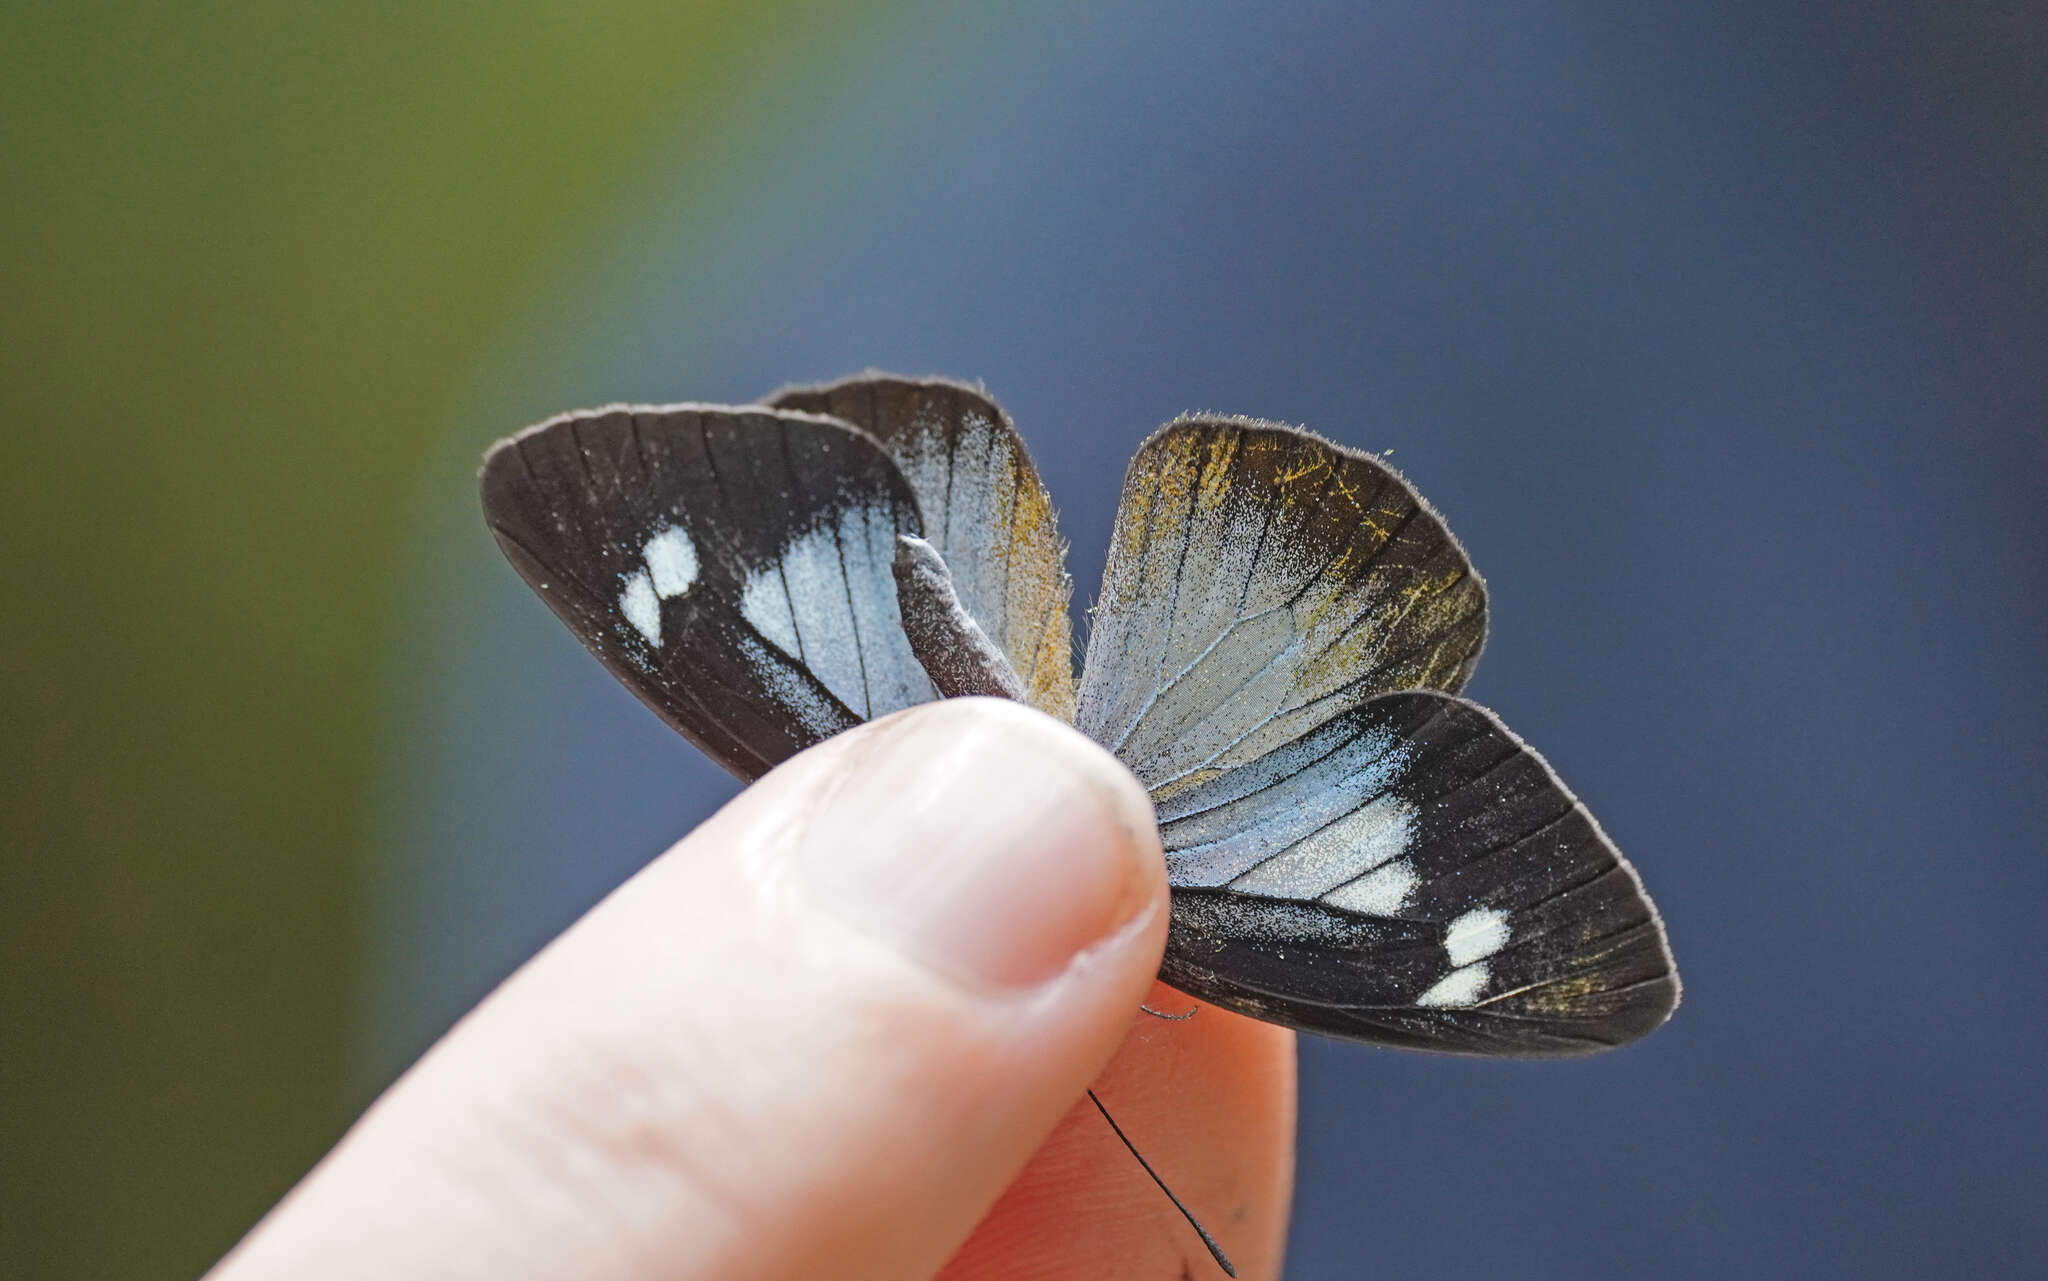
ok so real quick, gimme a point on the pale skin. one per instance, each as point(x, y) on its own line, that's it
point(843, 1029)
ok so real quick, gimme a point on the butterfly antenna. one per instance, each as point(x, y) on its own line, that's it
point(1170, 1018)
point(1215, 1251)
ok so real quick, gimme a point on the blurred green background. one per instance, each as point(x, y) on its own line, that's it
point(1715, 328)
point(255, 250)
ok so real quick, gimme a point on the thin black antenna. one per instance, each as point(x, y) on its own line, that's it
point(1215, 1251)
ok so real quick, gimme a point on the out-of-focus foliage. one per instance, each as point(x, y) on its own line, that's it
point(252, 249)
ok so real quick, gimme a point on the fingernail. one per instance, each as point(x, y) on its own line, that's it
point(984, 840)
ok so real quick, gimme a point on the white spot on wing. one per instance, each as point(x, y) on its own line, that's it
point(1461, 987)
point(1476, 935)
point(641, 606)
point(671, 561)
point(1382, 892)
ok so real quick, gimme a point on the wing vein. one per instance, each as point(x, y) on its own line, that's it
point(538, 559)
point(952, 430)
point(1009, 550)
point(1180, 566)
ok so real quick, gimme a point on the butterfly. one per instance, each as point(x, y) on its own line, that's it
point(1276, 654)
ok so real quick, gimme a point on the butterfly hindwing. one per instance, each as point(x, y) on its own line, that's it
point(730, 565)
point(986, 512)
point(1260, 581)
point(1410, 873)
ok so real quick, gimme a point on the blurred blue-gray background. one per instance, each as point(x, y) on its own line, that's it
point(1719, 333)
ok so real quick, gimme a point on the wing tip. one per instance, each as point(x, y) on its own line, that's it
point(1641, 1017)
point(1654, 918)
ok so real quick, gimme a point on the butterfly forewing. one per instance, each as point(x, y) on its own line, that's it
point(985, 511)
point(1260, 581)
point(730, 565)
point(1410, 873)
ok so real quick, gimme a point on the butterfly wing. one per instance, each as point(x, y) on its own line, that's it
point(1411, 873)
point(730, 565)
point(1386, 866)
point(1260, 581)
point(985, 511)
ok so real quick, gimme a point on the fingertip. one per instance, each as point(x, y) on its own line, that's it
point(983, 839)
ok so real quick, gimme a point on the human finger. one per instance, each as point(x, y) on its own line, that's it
point(818, 1037)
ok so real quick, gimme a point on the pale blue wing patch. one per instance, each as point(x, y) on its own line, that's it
point(1261, 581)
point(828, 600)
point(986, 513)
point(1410, 873)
